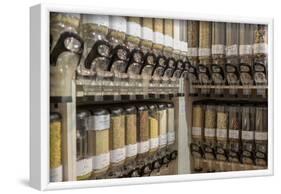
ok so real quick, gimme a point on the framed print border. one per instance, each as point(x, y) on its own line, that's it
point(39, 97)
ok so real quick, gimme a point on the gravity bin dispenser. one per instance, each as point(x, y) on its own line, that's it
point(226, 96)
point(141, 97)
point(117, 97)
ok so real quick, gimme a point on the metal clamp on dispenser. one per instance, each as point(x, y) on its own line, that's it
point(156, 86)
point(118, 66)
point(232, 78)
point(218, 78)
point(146, 73)
point(198, 155)
point(204, 79)
point(260, 78)
point(168, 73)
point(64, 59)
point(246, 77)
point(193, 79)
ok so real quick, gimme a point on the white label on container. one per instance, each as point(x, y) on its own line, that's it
point(262, 136)
point(143, 147)
point(168, 41)
point(245, 49)
point(134, 29)
point(84, 166)
point(177, 44)
point(218, 49)
point(163, 139)
point(99, 122)
point(56, 174)
point(158, 38)
point(221, 133)
point(131, 150)
point(118, 23)
point(196, 131)
point(203, 52)
point(117, 155)
point(233, 134)
point(260, 48)
point(154, 142)
point(248, 135)
point(147, 33)
point(96, 19)
point(171, 137)
point(192, 52)
point(231, 50)
point(210, 132)
point(101, 161)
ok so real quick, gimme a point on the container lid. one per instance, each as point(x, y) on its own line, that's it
point(142, 108)
point(95, 19)
point(134, 26)
point(99, 111)
point(170, 105)
point(82, 113)
point(54, 116)
point(152, 107)
point(115, 111)
point(118, 23)
point(130, 109)
point(162, 106)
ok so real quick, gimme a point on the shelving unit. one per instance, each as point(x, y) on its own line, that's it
point(191, 99)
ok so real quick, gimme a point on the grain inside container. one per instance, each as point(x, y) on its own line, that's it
point(98, 141)
point(56, 168)
point(84, 164)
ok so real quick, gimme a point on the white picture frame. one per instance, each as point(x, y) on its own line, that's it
point(39, 102)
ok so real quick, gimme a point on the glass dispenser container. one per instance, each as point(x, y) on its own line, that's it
point(133, 40)
point(168, 38)
point(149, 56)
point(65, 53)
point(204, 53)
point(163, 130)
point(174, 79)
point(247, 134)
point(153, 129)
point(197, 135)
point(260, 58)
point(246, 40)
point(56, 167)
point(120, 56)
point(158, 84)
point(234, 133)
point(210, 136)
point(221, 137)
point(158, 46)
point(130, 138)
point(163, 33)
point(218, 56)
point(98, 141)
point(143, 140)
point(84, 160)
point(93, 67)
point(117, 142)
point(158, 30)
point(171, 138)
point(192, 54)
point(232, 56)
point(153, 138)
point(261, 121)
